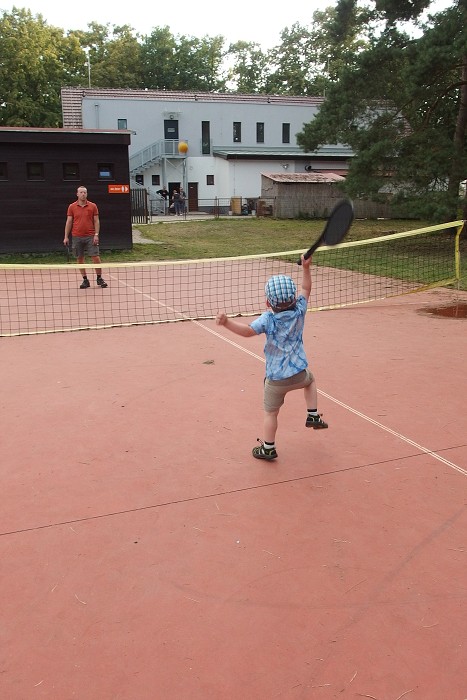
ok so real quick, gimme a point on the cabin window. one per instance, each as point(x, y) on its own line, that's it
point(35, 171)
point(71, 171)
point(105, 171)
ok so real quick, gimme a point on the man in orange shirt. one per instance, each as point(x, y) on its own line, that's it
point(82, 221)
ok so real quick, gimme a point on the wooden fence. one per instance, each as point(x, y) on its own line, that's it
point(139, 206)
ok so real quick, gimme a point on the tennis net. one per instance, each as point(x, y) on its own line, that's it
point(47, 298)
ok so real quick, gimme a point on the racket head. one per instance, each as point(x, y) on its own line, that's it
point(337, 226)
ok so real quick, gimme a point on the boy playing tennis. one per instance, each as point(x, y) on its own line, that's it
point(286, 362)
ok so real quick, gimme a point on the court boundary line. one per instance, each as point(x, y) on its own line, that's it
point(395, 433)
point(217, 494)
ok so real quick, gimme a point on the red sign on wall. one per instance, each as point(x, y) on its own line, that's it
point(119, 189)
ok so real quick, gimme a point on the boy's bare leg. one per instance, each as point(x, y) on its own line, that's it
point(311, 395)
point(270, 426)
point(313, 419)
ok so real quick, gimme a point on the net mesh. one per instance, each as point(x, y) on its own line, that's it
point(47, 298)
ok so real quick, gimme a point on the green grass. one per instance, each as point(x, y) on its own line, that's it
point(426, 259)
point(250, 236)
point(227, 237)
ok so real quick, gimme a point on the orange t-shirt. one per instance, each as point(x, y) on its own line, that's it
point(83, 218)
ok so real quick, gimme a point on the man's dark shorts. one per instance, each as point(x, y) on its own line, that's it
point(84, 245)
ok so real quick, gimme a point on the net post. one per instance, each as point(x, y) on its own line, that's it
point(457, 252)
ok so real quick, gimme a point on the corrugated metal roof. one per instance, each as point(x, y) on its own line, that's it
point(314, 176)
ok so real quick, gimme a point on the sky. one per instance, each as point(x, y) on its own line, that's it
point(242, 21)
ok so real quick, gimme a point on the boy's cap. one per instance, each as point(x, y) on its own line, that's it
point(280, 290)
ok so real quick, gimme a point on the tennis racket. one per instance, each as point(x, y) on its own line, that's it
point(337, 227)
point(69, 250)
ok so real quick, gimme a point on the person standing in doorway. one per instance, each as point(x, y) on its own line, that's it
point(164, 193)
point(176, 202)
point(82, 222)
point(182, 201)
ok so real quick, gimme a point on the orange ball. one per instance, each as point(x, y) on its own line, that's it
point(182, 147)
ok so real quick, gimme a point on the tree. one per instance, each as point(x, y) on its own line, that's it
point(114, 54)
point(181, 63)
point(30, 88)
point(248, 68)
point(157, 59)
point(198, 64)
point(309, 57)
point(294, 63)
point(401, 106)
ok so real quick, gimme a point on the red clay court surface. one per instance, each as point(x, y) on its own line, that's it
point(147, 556)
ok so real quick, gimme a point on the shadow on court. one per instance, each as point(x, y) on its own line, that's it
point(146, 555)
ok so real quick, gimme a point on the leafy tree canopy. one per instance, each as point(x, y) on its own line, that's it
point(401, 103)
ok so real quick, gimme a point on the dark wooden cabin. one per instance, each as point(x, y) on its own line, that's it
point(40, 171)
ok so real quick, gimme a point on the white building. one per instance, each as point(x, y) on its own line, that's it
point(232, 139)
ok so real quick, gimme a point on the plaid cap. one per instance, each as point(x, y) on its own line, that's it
point(279, 290)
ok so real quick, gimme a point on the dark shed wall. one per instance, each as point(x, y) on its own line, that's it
point(33, 212)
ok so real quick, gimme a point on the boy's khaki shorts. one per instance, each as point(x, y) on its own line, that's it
point(275, 390)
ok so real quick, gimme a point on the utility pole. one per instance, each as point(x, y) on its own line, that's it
point(89, 66)
point(327, 77)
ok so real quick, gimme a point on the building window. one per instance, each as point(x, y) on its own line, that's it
point(156, 180)
point(237, 132)
point(209, 179)
point(259, 132)
point(105, 171)
point(285, 133)
point(139, 178)
point(70, 171)
point(122, 123)
point(35, 171)
point(205, 138)
point(3, 171)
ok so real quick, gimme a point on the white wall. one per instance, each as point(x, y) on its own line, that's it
point(146, 118)
point(232, 177)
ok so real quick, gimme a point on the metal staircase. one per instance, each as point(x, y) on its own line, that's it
point(155, 154)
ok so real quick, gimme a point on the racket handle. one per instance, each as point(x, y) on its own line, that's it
point(310, 251)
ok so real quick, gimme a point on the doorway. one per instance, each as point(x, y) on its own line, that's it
point(171, 187)
point(193, 196)
point(171, 129)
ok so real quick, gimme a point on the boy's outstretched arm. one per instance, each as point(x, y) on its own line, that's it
point(235, 326)
point(306, 276)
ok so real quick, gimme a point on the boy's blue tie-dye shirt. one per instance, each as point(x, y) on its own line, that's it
point(284, 351)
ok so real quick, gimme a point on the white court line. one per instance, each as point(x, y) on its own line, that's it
point(405, 439)
point(149, 297)
point(401, 437)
